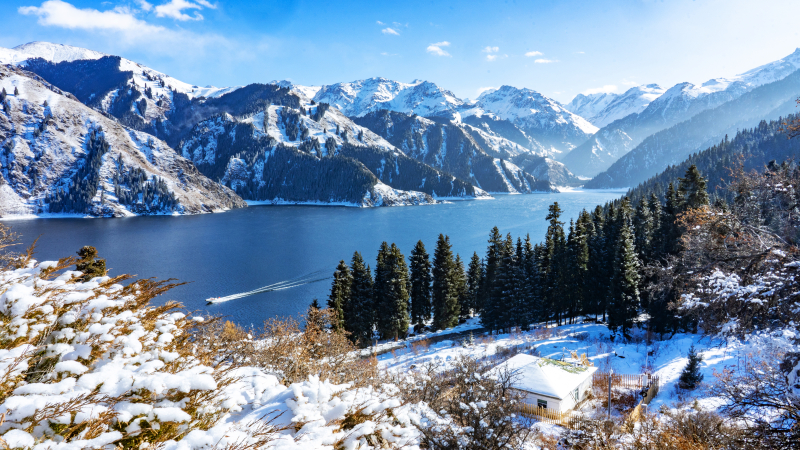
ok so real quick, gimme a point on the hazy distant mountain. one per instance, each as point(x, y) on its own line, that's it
point(604, 108)
point(674, 144)
point(679, 103)
point(539, 117)
point(59, 156)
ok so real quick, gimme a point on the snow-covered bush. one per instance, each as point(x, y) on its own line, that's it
point(90, 363)
point(466, 407)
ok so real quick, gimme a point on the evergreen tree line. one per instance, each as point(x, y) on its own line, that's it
point(141, 193)
point(422, 291)
point(78, 194)
point(595, 266)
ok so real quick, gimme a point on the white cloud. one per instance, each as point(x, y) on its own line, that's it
point(390, 31)
point(491, 49)
point(607, 89)
point(545, 61)
point(629, 83)
point(57, 13)
point(436, 48)
point(379, 22)
point(581, 53)
point(531, 54)
point(120, 29)
point(494, 57)
point(174, 9)
point(144, 5)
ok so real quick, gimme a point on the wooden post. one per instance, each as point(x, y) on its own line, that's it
point(610, 376)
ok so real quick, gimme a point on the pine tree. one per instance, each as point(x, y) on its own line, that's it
point(643, 229)
point(359, 310)
point(624, 292)
point(445, 296)
point(598, 275)
point(16, 91)
point(692, 189)
point(691, 377)
point(89, 264)
point(314, 317)
point(421, 279)
point(391, 293)
point(490, 307)
point(462, 289)
point(554, 259)
point(474, 276)
point(530, 283)
point(340, 293)
point(503, 288)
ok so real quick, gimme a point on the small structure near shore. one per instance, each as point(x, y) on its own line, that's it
point(548, 383)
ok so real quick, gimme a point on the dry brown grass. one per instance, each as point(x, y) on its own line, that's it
point(293, 351)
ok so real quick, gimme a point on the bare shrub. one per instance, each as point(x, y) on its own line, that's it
point(469, 407)
point(293, 352)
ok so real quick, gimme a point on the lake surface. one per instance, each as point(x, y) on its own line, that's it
point(242, 250)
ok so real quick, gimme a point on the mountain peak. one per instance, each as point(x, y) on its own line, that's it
point(57, 52)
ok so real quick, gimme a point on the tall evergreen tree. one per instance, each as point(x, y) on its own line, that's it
point(445, 294)
point(392, 295)
point(490, 307)
point(624, 292)
point(598, 273)
point(554, 243)
point(692, 189)
point(643, 229)
point(462, 288)
point(359, 311)
point(504, 286)
point(530, 278)
point(474, 276)
point(421, 278)
point(691, 377)
point(340, 293)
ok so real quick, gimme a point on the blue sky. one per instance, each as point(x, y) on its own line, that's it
point(559, 48)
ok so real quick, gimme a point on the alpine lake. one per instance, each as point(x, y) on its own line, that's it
point(241, 250)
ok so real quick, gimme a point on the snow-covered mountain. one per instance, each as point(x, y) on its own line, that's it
point(46, 50)
point(543, 119)
point(548, 126)
point(60, 156)
point(358, 98)
point(602, 109)
point(450, 147)
point(310, 152)
point(678, 103)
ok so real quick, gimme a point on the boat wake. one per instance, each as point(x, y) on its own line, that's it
point(308, 278)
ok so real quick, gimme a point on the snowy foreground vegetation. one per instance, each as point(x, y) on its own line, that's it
point(86, 363)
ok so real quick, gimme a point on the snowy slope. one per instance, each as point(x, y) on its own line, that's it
point(45, 133)
point(590, 105)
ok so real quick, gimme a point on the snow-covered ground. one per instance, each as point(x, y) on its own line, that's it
point(664, 358)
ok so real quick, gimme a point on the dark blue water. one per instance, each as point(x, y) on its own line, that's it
point(223, 254)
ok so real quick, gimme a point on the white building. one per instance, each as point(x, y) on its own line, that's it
point(548, 383)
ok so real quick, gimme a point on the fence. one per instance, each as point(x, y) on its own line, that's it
point(570, 419)
point(624, 380)
point(636, 414)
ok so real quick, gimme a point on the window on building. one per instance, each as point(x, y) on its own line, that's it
point(577, 394)
point(541, 403)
